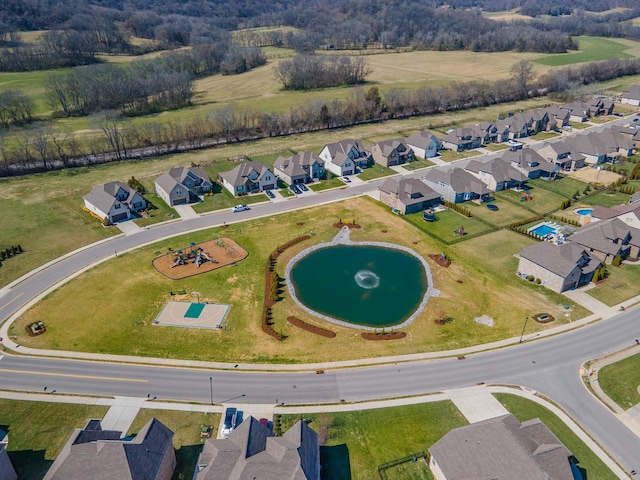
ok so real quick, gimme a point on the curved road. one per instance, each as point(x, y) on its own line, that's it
point(550, 365)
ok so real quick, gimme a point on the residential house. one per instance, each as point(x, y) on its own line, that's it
point(303, 167)
point(390, 153)
point(182, 185)
point(631, 96)
point(253, 451)
point(600, 106)
point(100, 454)
point(592, 147)
point(578, 111)
point(635, 198)
point(114, 201)
point(531, 163)
point(465, 138)
point(345, 157)
point(501, 448)
point(457, 185)
point(558, 117)
point(7, 472)
point(248, 177)
point(559, 267)
point(609, 239)
point(562, 154)
point(519, 125)
point(408, 195)
point(497, 174)
point(617, 143)
point(424, 144)
point(629, 213)
point(539, 120)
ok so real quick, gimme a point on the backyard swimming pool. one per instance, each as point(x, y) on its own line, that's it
point(584, 211)
point(543, 230)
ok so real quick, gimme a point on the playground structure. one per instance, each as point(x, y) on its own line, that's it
point(459, 232)
point(526, 195)
point(199, 258)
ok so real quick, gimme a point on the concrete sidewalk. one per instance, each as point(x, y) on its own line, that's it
point(122, 413)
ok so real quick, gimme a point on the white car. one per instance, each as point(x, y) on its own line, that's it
point(345, 179)
point(239, 208)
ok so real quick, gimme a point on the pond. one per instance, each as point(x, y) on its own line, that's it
point(364, 285)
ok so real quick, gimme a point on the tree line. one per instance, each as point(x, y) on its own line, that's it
point(306, 71)
point(43, 148)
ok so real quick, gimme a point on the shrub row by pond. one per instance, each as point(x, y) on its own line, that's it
point(271, 287)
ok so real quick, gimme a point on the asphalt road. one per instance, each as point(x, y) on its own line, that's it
point(550, 365)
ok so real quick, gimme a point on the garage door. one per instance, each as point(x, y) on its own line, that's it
point(119, 217)
point(180, 201)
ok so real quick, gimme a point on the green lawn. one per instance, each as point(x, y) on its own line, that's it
point(447, 222)
point(450, 155)
point(495, 147)
point(418, 163)
point(524, 409)
point(578, 125)
point(508, 213)
point(375, 171)
point(621, 380)
point(542, 201)
point(222, 199)
point(160, 213)
point(544, 135)
point(357, 442)
point(38, 431)
point(606, 198)
point(621, 284)
point(565, 186)
point(592, 49)
point(334, 182)
point(186, 439)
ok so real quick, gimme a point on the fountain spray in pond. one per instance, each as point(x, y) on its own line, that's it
point(367, 279)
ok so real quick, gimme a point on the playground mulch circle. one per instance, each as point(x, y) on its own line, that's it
point(224, 250)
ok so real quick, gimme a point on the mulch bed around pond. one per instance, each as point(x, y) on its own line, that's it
point(443, 262)
point(224, 250)
point(310, 328)
point(383, 336)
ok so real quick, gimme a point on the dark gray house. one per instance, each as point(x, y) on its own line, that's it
point(497, 174)
point(253, 451)
point(457, 185)
point(114, 201)
point(182, 185)
point(303, 167)
point(96, 454)
point(408, 195)
point(502, 448)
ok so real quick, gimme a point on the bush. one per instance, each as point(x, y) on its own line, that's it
point(538, 281)
point(530, 278)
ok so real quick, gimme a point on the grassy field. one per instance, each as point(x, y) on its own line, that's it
point(622, 284)
point(142, 292)
point(524, 409)
point(620, 381)
point(591, 49)
point(355, 443)
point(606, 198)
point(38, 431)
point(375, 171)
point(186, 439)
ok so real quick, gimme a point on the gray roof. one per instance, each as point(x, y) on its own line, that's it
point(177, 175)
point(635, 198)
point(7, 472)
point(100, 454)
point(343, 146)
point(422, 139)
point(460, 180)
point(501, 170)
point(606, 236)
point(388, 146)
point(559, 259)
point(104, 196)
point(253, 451)
point(294, 165)
point(409, 190)
point(166, 182)
point(557, 112)
point(238, 176)
point(529, 160)
point(502, 448)
point(632, 92)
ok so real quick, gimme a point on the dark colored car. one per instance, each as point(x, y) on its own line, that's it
point(303, 187)
point(295, 189)
point(230, 418)
point(270, 194)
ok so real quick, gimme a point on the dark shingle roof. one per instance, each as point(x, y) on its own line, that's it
point(558, 259)
point(460, 180)
point(409, 190)
point(238, 175)
point(502, 448)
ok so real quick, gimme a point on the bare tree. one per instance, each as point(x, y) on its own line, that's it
point(110, 123)
point(522, 74)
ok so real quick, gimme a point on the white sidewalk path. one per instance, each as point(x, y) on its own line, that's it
point(122, 413)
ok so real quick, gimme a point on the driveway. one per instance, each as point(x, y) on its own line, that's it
point(581, 297)
point(128, 227)
point(185, 211)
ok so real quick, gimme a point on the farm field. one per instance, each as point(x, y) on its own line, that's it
point(592, 49)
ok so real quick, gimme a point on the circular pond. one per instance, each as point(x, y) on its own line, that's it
point(362, 285)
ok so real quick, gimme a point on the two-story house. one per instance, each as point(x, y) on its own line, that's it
point(249, 177)
point(303, 167)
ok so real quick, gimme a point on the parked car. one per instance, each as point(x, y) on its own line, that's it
point(230, 418)
point(345, 179)
point(270, 194)
point(303, 187)
point(295, 189)
point(239, 208)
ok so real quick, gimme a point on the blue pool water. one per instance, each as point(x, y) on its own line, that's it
point(544, 230)
point(584, 211)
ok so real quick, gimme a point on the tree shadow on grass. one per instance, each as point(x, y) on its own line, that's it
point(186, 459)
point(29, 464)
point(335, 463)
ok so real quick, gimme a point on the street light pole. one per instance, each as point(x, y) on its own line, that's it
point(523, 327)
point(211, 388)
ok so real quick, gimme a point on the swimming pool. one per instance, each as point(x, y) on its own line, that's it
point(584, 211)
point(543, 230)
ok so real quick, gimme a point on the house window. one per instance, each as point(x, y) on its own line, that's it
point(117, 206)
